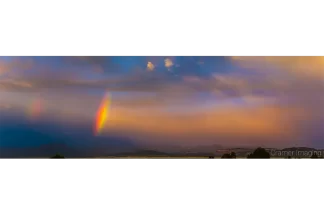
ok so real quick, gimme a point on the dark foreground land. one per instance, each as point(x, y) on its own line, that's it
point(154, 157)
point(234, 153)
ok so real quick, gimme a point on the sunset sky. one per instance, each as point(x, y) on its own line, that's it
point(163, 103)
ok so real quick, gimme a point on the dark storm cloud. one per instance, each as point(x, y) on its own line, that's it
point(230, 85)
point(130, 74)
point(137, 82)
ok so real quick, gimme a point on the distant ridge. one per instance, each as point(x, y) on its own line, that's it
point(152, 153)
point(300, 149)
point(142, 153)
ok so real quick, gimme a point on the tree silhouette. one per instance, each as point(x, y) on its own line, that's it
point(233, 155)
point(259, 153)
point(314, 155)
point(58, 156)
point(226, 156)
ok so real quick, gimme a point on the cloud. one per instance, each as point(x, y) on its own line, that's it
point(150, 66)
point(260, 101)
point(96, 63)
point(113, 64)
point(168, 63)
point(258, 81)
point(229, 85)
point(156, 60)
point(70, 76)
point(234, 126)
point(292, 82)
point(16, 85)
point(17, 64)
point(154, 119)
point(305, 66)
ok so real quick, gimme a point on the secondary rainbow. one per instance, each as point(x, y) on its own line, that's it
point(35, 109)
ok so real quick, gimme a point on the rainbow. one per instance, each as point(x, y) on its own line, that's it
point(102, 114)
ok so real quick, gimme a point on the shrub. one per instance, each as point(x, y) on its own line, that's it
point(314, 156)
point(233, 155)
point(259, 153)
point(58, 156)
point(226, 156)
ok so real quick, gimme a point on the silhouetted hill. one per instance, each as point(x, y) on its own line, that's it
point(299, 149)
point(152, 153)
point(41, 151)
point(108, 147)
point(203, 149)
point(191, 154)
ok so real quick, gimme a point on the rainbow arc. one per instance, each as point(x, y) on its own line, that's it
point(102, 114)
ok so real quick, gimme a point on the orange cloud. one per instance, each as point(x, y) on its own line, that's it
point(229, 121)
point(150, 66)
point(297, 65)
point(168, 63)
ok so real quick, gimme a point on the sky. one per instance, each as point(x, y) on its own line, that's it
point(167, 103)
